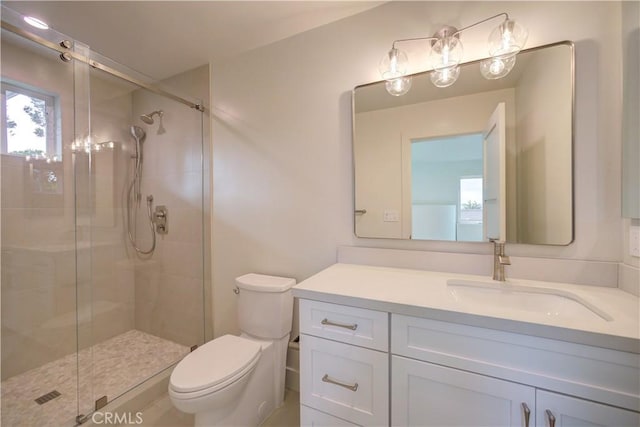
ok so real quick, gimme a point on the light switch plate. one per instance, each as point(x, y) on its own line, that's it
point(391, 216)
point(634, 241)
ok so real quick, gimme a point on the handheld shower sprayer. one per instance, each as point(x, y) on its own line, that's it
point(139, 135)
point(134, 197)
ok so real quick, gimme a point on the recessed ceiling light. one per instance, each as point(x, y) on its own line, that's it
point(35, 22)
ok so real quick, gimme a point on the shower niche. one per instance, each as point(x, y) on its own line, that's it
point(86, 318)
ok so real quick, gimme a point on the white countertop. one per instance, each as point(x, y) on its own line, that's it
point(426, 294)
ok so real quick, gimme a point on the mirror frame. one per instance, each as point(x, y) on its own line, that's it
point(568, 43)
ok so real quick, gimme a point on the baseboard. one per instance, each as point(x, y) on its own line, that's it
point(292, 380)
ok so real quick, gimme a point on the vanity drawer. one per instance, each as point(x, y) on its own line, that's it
point(310, 417)
point(593, 373)
point(366, 328)
point(346, 381)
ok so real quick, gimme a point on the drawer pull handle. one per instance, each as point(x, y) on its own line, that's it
point(326, 379)
point(551, 418)
point(326, 321)
point(527, 414)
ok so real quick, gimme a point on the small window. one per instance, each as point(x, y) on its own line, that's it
point(471, 200)
point(29, 122)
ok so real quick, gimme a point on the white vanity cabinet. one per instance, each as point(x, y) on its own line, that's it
point(557, 410)
point(344, 363)
point(425, 394)
point(470, 376)
point(421, 357)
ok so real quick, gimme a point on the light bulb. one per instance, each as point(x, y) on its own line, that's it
point(445, 77)
point(508, 38)
point(394, 64)
point(399, 86)
point(497, 67)
point(35, 22)
point(446, 53)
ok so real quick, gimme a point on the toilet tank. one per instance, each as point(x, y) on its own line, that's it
point(265, 305)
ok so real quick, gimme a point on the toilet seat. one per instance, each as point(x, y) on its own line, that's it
point(214, 366)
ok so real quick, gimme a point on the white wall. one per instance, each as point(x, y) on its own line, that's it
point(283, 185)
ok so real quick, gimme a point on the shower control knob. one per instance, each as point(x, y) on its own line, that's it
point(160, 219)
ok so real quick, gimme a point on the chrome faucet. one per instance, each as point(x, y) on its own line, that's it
point(499, 260)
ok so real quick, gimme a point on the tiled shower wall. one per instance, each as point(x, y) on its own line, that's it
point(168, 287)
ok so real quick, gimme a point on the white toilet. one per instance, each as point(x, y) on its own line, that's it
point(239, 380)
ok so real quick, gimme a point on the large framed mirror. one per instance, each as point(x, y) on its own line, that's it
point(479, 160)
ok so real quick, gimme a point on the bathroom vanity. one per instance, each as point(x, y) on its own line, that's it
point(387, 346)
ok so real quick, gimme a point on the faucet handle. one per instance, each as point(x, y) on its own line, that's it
point(504, 259)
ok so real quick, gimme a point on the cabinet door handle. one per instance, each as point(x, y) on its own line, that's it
point(326, 321)
point(551, 418)
point(326, 379)
point(527, 414)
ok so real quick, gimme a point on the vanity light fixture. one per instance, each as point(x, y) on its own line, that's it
point(505, 41)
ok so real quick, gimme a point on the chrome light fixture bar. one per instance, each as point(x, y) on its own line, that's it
point(505, 41)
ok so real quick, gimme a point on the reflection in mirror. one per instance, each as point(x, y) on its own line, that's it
point(481, 159)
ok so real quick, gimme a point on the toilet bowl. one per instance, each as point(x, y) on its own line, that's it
point(239, 380)
point(197, 385)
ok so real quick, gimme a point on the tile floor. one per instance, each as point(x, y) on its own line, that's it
point(161, 413)
point(109, 368)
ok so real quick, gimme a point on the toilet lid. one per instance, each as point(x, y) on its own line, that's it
point(216, 362)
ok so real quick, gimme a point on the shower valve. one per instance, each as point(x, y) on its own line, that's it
point(160, 219)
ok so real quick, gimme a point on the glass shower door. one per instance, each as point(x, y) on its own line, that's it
point(40, 380)
point(97, 295)
point(146, 292)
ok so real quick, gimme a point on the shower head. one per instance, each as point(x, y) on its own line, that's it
point(148, 118)
point(138, 133)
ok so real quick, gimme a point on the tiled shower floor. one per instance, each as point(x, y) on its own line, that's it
point(109, 368)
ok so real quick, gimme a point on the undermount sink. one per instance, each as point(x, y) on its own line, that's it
point(546, 301)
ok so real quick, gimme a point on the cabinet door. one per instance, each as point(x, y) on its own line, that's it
point(571, 411)
point(346, 381)
point(424, 394)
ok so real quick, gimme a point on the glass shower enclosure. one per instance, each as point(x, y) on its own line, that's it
point(104, 213)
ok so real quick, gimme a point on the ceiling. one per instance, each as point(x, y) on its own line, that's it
point(164, 38)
